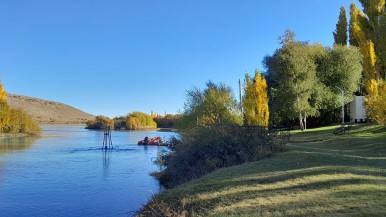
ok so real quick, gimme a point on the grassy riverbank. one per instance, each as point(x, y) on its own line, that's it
point(321, 174)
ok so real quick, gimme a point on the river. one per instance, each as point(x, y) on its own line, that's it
point(66, 173)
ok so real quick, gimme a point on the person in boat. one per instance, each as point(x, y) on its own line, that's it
point(146, 141)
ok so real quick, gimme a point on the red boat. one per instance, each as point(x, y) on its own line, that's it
point(151, 141)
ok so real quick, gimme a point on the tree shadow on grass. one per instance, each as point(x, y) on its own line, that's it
point(244, 194)
point(339, 203)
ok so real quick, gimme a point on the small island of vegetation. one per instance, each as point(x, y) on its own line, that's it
point(134, 121)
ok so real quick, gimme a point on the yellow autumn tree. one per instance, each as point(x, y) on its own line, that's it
point(255, 100)
point(376, 101)
point(368, 32)
point(3, 95)
point(100, 122)
point(361, 35)
point(5, 110)
point(132, 123)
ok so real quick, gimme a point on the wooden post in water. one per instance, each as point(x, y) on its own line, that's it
point(107, 143)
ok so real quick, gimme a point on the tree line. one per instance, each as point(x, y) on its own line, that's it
point(301, 80)
point(133, 121)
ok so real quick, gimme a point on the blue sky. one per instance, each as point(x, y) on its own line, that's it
point(119, 56)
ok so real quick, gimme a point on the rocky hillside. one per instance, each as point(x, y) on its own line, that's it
point(45, 111)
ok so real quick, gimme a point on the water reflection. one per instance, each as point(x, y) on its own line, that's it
point(106, 161)
point(8, 144)
point(146, 149)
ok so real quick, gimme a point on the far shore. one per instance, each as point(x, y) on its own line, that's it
point(146, 129)
point(64, 122)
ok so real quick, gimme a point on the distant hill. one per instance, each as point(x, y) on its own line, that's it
point(45, 111)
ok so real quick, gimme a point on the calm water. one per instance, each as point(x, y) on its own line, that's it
point(65, 173)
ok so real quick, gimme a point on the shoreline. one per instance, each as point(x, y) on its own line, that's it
point(14, 135)
point(63, 123)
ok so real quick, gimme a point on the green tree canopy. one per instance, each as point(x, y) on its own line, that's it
point(303, 78)
point(340, 34)
point(214, 105)
point(166, 121)
point(342, 68)
point(292, 78)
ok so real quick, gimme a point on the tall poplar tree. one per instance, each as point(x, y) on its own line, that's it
point(340, 34)
point(368, 32)
point(376, 102)
point(3, 95)
point(5, 110)
point(362, 35)
point(255, 100)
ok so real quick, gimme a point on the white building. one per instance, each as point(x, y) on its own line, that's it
point(357, 110)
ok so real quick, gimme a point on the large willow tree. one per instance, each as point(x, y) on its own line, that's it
point(292, 77)
point(303, 77)
point(255, 100)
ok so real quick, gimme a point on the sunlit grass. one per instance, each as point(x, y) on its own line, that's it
point(321, 174)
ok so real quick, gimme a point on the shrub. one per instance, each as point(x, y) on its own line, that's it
point(120, 123)
point(204, 150)
point(21, 122)
point(100, 122)
point(16, 121)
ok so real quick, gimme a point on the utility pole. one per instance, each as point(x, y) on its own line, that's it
point(342, 91)
point(241, 99)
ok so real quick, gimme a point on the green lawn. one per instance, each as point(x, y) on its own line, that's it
point(321, 174)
